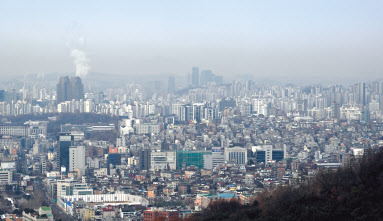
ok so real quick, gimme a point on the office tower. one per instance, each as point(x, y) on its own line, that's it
point(145, 157)
point(77, 159)
point(77, 88)
point(195, 76)
point(63, 89)
point(332, 95)
point(62, 150)
point(362, 93)
point(171, 85)
point(69, 89)
point(236, 155)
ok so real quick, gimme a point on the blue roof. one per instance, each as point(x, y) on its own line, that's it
point(227, 195)
point(68, 203)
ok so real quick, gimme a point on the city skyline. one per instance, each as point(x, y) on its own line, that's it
point(191, 110)
point(174, 148)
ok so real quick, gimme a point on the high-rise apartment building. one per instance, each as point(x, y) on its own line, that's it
point(145, 158)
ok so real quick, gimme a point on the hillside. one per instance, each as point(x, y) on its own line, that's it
point(354, 192)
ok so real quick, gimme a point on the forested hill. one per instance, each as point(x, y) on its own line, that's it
point(354, 192)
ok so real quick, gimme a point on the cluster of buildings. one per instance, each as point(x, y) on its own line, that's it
point(173, 153)
point(206, 98)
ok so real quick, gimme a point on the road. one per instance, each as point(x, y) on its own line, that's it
point(39, 184)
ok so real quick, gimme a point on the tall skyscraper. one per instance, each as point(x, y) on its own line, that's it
point(195, 76)
point(68, 89)
point(171, 84)
point(362, 93)
point(62, 150)
point(62, 89)
point(77, 88)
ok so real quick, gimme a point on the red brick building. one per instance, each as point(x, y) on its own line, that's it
point(154, 215)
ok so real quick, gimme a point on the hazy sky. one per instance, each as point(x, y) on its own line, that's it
point(266, 39)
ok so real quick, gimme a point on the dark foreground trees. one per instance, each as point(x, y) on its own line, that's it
point(354, 192)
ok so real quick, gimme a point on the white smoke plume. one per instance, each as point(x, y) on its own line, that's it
point(81, 62)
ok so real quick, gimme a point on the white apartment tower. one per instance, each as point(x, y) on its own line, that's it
point(77, 159)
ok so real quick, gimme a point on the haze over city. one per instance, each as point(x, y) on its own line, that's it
point(191, 110)
point(293, 40)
